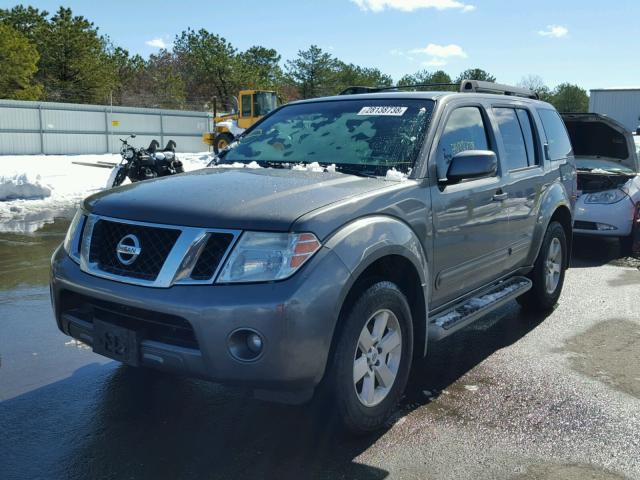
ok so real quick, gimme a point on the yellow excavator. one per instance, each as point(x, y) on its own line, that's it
point(251, 106)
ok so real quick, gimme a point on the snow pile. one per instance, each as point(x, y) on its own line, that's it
point(313, 167)
point(35, 189)
point(237, 165)
point(22, 185)
point(396, 175)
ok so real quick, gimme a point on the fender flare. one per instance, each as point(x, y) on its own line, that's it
point(554, 198)
point(362, 242)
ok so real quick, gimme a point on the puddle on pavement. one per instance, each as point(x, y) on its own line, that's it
point(567, 472)
point(610, 353)
point(24, 257)
point(626, 278)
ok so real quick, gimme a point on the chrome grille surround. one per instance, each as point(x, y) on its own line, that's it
point(179, 263)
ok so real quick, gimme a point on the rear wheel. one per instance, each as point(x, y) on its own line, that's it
point(548, 272)
point(372, 358)
point(222, 141)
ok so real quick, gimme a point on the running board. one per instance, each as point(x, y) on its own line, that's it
point(445, 323)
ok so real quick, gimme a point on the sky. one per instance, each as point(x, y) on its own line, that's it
point(587, 42)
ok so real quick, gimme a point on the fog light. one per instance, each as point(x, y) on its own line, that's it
point(254, 342)
point(603, 227)
point(245, 344)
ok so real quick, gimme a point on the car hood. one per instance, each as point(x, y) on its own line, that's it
point(596, 136)
point(233, 198)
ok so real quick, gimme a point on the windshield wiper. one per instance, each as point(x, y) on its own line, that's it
point(355, 171)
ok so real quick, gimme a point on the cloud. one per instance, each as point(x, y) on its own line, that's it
point(442, 51)
point(156, 43)
point(399, 53)
point(435, 62)
point(411, 5)
point(438, 53)
point(554, 31)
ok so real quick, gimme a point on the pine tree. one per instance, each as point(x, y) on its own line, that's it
point(19, 60)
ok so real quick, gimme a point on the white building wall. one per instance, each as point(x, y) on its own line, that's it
point(622, 105)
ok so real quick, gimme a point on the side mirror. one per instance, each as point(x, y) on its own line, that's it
point(133, 135)
point(472, 164)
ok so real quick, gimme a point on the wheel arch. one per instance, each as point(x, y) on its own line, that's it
point(555, 206)
point(383, 248)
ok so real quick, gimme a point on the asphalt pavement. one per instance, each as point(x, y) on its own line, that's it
point(513, 396)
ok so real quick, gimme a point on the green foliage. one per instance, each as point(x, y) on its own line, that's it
point(259, 68)
point(476, 74)
point(427, 77)
point(27, 20)
point(349, 75)
point(570, 98)
point(313, 72)
point(207, 64)
point(19, 60)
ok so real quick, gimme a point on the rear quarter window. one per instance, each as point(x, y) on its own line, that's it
point(559, 145)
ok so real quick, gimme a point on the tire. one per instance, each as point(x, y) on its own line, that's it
point(221, 141)
point(626, 246)
point(542, 297)
point(383, 300)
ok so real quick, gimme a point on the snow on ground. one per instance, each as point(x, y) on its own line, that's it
point(35, 189)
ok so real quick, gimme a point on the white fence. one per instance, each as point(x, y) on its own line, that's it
point(67, 128)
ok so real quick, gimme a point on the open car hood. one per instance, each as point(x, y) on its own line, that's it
point(596, 136)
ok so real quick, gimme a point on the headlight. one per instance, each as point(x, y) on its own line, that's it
point(264, 257)
point(71, 240)
point(608, 196)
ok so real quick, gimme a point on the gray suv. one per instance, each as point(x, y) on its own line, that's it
point(329, 245)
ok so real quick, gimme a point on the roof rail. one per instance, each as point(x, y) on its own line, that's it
point(358, 90)
point(477, 86)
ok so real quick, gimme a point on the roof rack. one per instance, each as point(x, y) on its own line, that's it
point(355, 90)
point(466, 86)
point(477, 86)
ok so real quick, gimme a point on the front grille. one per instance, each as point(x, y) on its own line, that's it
point(580, 225)
point(211, 256)
point(160, 327)
point(155, 244)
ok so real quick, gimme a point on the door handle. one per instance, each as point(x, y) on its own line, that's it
point(500, 195)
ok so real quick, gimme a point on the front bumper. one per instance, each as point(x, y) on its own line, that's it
point(617, 215)
point(295, 317)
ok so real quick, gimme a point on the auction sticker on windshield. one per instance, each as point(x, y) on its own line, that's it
point(391, 111)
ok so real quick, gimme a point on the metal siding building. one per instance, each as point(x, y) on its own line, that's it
point(621, 104)
point(67, 128)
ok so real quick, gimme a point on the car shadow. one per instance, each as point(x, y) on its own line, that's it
point(112, 421)
point(595, 251)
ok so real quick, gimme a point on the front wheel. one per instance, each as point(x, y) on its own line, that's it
point(372, 358)
point(548, 271)
point(222, 141)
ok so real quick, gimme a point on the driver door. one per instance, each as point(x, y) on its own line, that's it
point(470, 218)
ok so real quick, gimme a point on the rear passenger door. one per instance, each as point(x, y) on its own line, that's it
point(470, 222)
point(521, 155)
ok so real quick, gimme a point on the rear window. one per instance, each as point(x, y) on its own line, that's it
point(557, 138)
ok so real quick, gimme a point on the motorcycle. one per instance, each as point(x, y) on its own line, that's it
point(140, 164)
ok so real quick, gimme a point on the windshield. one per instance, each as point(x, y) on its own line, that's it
point(590, 164)
point(636, 139)
point(264, 102)
point(370, 135)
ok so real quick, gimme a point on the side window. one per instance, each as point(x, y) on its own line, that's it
point(557, 138)
point(246, 105)
point(512, 138)
point(527, 132)
point(464, 130)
